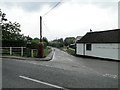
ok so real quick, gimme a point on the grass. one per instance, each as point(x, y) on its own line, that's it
point(47, 51)
point(5, 52)
point(71, 51)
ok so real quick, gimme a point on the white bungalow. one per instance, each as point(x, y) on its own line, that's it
point(101, 44)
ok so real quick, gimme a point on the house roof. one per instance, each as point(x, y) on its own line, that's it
point(109, 36)
point(78, 38)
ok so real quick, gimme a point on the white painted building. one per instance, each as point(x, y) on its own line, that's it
point(102, 44)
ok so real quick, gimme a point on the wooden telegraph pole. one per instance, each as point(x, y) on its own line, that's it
point(40, 29)
point(40, 53)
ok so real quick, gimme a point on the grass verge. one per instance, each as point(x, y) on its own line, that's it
point(47, 50)
point(71, 51)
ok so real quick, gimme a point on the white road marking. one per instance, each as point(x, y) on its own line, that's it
point(110, 75)
point(34, 80)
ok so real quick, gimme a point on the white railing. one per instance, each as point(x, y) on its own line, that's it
point(32, 52)
point(20, 50)
point(10, 50)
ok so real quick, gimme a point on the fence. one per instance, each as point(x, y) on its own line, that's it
point(19, 51)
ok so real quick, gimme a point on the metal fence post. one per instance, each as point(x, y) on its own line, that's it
point(21, 51)
point(10, 50)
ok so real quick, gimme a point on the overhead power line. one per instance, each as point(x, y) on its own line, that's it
point(48, 29)
point(45, 26)
point(52, 8)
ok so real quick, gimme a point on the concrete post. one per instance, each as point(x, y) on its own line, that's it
point(21, 51)
point(10, 50)
point(32, 52)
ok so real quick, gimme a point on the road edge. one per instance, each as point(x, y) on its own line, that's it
point(48, 58)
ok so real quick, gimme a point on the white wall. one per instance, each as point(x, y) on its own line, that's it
point(119, 51)
point(104, 51)
point(79, 49)
point(101, 50)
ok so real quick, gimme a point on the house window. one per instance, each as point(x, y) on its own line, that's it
point(88, 47)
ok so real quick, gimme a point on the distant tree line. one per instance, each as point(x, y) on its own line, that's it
point(59, 43)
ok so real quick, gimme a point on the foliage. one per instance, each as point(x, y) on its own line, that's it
point(71, 51)
point(69, 40)
point(35, 42)
point(47, 51)
point(58, 43)
point(45, 40)
point(11, 36)
point(11, 33)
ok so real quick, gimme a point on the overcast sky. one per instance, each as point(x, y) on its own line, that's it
point(70, 18)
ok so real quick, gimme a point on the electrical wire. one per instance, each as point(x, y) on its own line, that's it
point(48, 29)
point(49, 12)
point(52, 8)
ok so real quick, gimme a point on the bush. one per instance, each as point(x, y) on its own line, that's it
point(16, 43)
point(71, 51)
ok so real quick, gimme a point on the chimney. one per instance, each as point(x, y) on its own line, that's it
point(90, 30)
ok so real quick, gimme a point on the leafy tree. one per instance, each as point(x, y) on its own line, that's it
point(45, 40)
point(69, 40)
point(35, 42)
point(57, 43)
point(11, 32)
point(36, 39)
point(2, 17)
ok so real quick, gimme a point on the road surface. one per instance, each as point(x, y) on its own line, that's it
point(63, 71)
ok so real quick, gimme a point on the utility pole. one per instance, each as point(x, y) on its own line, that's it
point(40, 29)
point(40, 53)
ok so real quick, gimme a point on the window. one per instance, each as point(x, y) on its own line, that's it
point(88, 47)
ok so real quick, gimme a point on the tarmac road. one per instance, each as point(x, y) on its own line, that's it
point(63, 71)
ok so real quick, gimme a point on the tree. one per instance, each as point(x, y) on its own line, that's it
point(36, 39)
point(34, 43)
point(57, 43)
point(11, 33)
point(45, 40)
point(69, 40)
point(2, 17)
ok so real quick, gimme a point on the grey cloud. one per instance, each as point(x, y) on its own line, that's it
point(29, 0)
point(105, 4)
point(29, 6)
point(99, 3)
